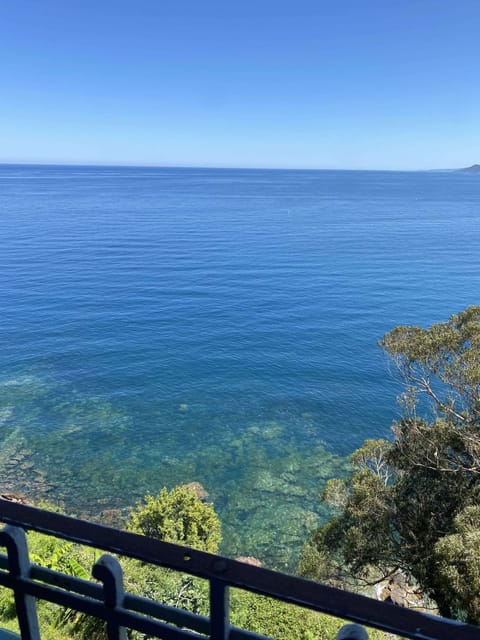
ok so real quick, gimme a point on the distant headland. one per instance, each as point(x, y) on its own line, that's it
point(475, 168)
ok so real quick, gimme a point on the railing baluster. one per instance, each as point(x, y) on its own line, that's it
point(219, 610)
point(15, 541)
point(352, 632)
point(109, 571)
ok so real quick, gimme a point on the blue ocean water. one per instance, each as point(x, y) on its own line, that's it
point(162, 326)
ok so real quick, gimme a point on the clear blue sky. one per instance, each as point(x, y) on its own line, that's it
point(388, 84)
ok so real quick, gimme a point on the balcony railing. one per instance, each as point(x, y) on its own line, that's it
point(107, 600)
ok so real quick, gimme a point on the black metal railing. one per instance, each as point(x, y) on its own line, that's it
point(108, 601)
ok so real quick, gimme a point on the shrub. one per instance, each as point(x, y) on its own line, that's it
point(178, 516)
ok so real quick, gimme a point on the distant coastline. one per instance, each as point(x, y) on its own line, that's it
point(475, 168)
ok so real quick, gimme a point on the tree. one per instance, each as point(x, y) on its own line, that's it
point(459, 564)
point(403, 504)
point(178, 516)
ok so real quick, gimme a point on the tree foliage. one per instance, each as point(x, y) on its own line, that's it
point(412, 503)
point(458, 561)
point(178, 516)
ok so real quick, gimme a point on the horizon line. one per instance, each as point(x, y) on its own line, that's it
point(212, 167)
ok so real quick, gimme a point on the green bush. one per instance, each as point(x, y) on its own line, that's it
point(178, 516)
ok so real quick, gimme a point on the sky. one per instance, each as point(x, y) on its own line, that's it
point(344, 84)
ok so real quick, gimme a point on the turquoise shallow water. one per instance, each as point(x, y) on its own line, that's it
point(161, 326)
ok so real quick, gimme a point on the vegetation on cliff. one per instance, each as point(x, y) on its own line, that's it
point(414, 503)
point(178, 516)
point(175, 516)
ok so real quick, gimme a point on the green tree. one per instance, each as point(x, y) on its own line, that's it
point(459, 564)
point(401, 505)
point(178, 516)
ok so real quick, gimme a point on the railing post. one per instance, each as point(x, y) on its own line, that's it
point(352, 632)
point(219, 610)
point(109, 571)
point(15, 541)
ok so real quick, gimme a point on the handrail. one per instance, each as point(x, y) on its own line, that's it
point(221, 572)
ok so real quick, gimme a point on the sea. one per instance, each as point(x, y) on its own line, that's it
point(162, 326)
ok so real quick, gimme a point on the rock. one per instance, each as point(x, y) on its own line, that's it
point(14, 497)
point(112, 518)
point(398, 590)
point(255, 562)
point(198, 489)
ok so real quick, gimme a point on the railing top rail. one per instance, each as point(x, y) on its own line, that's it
point(342, 604)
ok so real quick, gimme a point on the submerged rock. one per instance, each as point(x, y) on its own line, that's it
point(198, 489)
point(112, 518)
